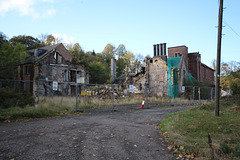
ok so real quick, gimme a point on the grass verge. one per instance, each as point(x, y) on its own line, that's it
point(187, 131)
point(47, 107)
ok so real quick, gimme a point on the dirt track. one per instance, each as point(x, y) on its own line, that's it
point(116, 135)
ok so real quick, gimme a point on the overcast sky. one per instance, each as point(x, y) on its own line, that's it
point(138, 24)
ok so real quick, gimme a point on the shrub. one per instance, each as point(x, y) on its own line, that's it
point(11, 98)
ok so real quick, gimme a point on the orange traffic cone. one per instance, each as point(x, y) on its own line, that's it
point(142, 106)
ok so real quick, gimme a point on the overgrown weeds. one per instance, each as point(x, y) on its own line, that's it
point(191, 128)
point(47, 107)
point(11, 98)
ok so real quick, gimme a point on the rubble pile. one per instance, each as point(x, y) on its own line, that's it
point(106, 93)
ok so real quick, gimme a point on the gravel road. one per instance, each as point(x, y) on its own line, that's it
point(119, 135)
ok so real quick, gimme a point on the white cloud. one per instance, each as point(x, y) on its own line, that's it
point(22, 6)
point(25, 8)
point(64, 38)
point(67, 39)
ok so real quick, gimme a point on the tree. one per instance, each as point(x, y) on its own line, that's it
point(138, 63)
point(77, 53)
point(50, 40)
point(121, 65)
point(230, 76)
point(235, 82)
point(129, 58)
point(98, 73)
point(234, 66)
point(121, 49)
point(225, 69)
point(10, 57)
point(126, 61)
point(28, 41)
point(42, 38)
point(3, 39)
point(94, 63)
point(108, 53)
point(120, 62)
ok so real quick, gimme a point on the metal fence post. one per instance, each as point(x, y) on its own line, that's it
point(170, 95)
point(76, 96)
point(211, 93)
point(112, 96)
point(193, 93)
point(145, 93)
point(199, 94)
point(38, 90)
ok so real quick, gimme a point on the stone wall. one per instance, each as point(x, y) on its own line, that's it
point(157, 76)
point(54, 67)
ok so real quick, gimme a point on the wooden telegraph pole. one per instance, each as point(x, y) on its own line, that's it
point(217, 88)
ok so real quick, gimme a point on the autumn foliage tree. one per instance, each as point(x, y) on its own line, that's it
point(230, 76)
point(98, 64)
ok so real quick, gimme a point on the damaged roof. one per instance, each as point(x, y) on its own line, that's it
point(40, 53)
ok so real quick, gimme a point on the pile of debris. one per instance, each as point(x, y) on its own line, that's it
point(107, 93)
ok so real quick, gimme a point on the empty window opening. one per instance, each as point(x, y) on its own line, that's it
point(26, 70)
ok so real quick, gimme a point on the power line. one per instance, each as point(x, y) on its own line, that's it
point(231, 28)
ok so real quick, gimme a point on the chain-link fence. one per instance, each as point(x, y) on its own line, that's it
point(85, 96)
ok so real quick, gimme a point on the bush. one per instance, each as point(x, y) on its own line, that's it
point(235, 86)
point(11, 98)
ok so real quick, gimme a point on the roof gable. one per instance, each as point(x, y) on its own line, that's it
point(42, 52)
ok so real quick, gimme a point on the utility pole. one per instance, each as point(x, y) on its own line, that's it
point(217, 88)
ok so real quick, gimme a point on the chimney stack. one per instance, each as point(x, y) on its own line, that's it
point(160, 50)
point(158, 53)
point(154, 50)
point(164, 49)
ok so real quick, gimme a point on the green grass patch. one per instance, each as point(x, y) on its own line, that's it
point(190, 129)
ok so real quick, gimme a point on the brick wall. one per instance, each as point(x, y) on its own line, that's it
point(183, 50)
point(198, 70)
point(194, 64)
point(207, 74)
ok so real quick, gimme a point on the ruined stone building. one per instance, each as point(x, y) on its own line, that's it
point(166, 75)
point(50, 64)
